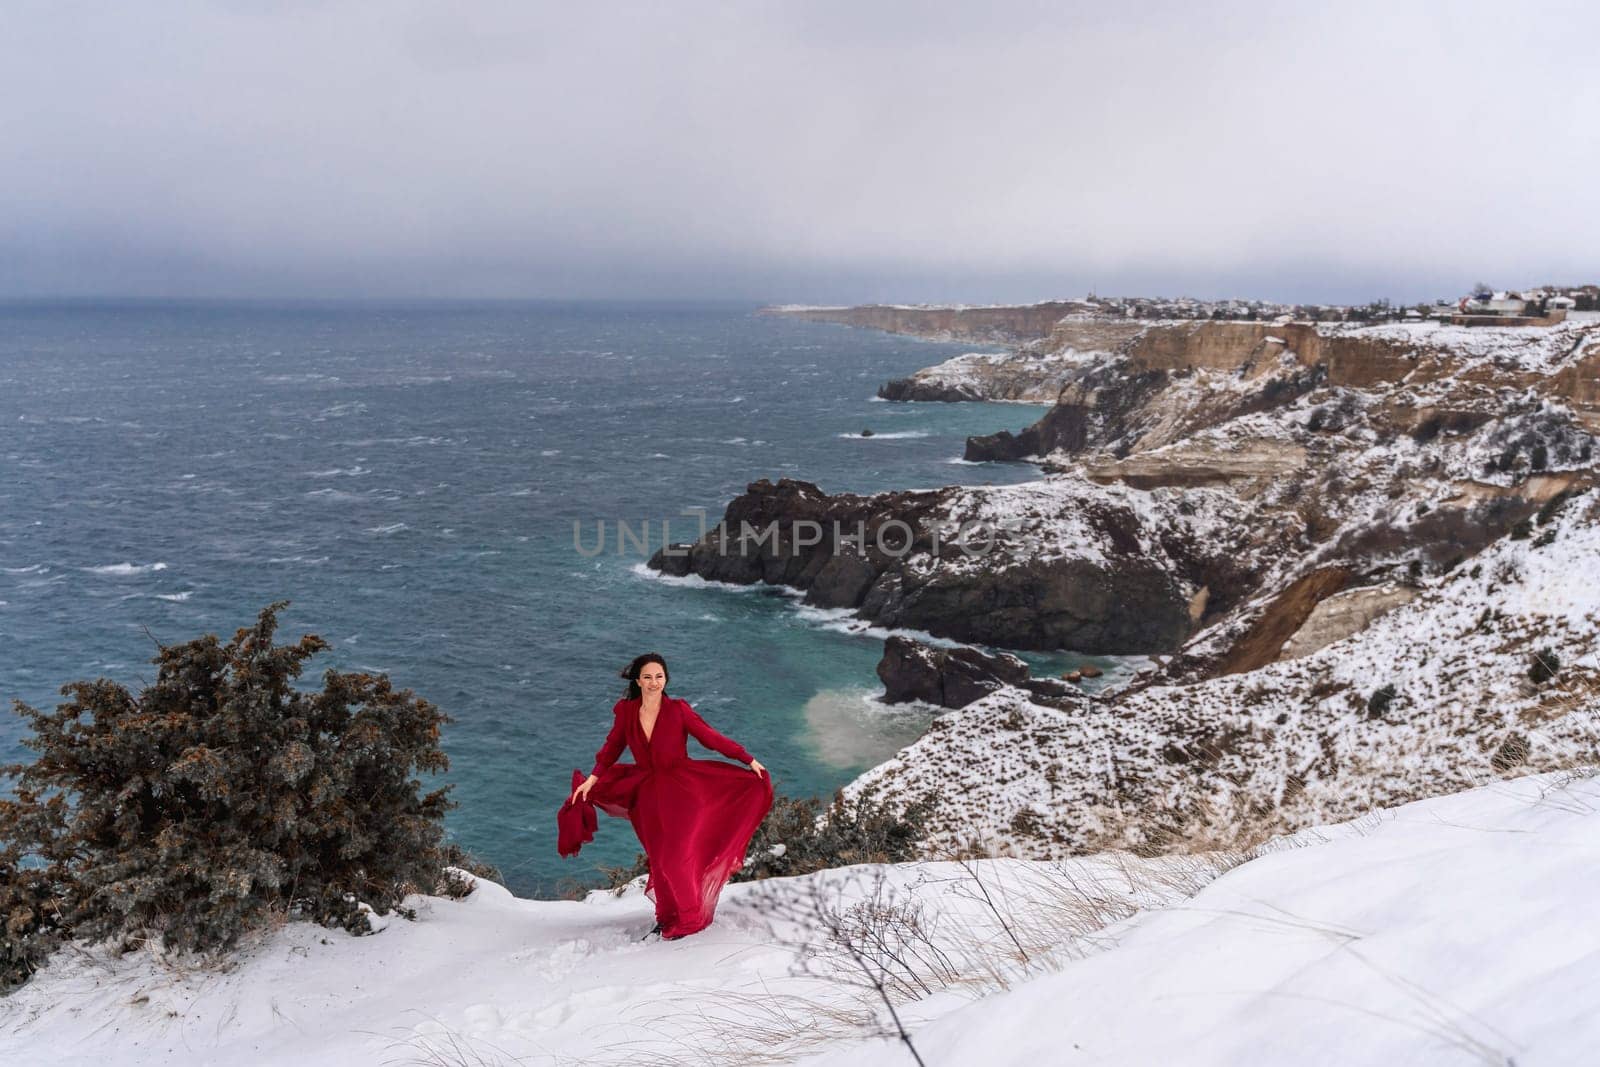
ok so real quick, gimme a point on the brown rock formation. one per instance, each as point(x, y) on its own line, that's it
point(1286, 613)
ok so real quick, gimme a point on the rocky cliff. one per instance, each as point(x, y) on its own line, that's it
point(1365, 551)
point(1059, 564)
point(1208, 485)
point(1486, 671)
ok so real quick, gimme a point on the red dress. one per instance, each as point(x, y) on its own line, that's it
point(694, 817)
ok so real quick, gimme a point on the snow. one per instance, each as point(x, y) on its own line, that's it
point(1292, 743)
point(1054, 518)
point(1449, 931)
point(1540, 349)
point(1445, 930)
point(1453, 930)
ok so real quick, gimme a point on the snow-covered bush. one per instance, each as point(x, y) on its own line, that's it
point(216, 795)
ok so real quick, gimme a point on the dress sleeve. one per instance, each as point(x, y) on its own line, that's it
point(616, 740)
point(703, 733)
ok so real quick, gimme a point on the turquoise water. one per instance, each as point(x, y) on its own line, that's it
point(408, 477)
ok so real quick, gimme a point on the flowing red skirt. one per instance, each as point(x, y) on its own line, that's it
point(694, 818)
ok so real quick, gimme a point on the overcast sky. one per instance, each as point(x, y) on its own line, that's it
point(823, 152)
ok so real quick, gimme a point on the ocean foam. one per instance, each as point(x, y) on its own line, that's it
point(123, 570)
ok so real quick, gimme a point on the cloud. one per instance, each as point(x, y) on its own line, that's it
point(805, 151)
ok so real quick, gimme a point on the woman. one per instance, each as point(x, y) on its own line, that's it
point(694, 817)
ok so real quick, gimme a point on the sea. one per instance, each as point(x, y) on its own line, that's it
point(424, 483)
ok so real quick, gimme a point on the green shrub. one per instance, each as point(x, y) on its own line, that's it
point(218, 794)
point(1513, 752)
point(1544, 666)
point(848, 832)
point(1378, 703)
point(31, 898)
point(1552, 507)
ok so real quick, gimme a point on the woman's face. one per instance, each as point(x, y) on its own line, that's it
point(652, 679)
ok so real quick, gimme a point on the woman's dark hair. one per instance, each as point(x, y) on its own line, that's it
point(631, 673)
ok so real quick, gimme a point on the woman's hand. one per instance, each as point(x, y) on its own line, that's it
point(755, 765)
point(582, 792)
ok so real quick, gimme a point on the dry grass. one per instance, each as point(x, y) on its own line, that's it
point(866, 949)
point(439, 1045)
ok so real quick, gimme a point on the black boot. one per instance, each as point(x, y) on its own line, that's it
point(656, 929)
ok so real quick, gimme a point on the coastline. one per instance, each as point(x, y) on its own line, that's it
point(1227, 417)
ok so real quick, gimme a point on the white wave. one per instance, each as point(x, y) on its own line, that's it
point(123, 570)
point(295, 379)
point(386, 530)
point(176, 598)
point(308, 560)
point(965, 462)
point(339, 411)
point(37, 568)
point(659, 455)
point(333, 494)
point(735, 441)
point(334, 472)
point(845, 621)
point(886, 436)
point(550, 452)
point(643, 570)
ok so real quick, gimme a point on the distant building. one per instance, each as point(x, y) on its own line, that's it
point(1530, 307)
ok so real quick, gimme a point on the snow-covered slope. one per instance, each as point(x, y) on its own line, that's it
point(1458, 930)
point(1298, 741)
point(1454, 930)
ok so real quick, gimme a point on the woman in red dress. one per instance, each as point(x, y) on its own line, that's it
point(694, 817)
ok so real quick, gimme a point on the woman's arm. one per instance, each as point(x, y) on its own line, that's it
point(616, 740)
point(702, 732)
